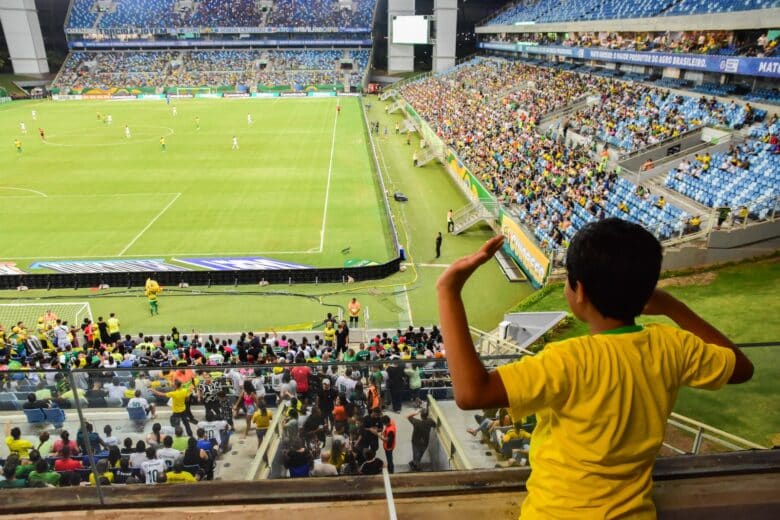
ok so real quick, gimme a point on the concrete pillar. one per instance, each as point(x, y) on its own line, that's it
point(400, 58)
point(19, 19)
point(445, 13)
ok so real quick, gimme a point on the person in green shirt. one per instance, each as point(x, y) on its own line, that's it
point(44, 473)
point(180, 440)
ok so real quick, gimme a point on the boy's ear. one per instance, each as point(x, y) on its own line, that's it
point(580, 296)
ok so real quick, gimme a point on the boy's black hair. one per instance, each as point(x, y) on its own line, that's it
point(618, 263)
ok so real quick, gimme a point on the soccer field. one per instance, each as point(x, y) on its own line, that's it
point(301, 187)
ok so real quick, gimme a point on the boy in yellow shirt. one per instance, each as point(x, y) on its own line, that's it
point(601, 400)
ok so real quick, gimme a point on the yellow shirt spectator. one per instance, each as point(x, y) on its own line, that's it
point(178, 399)
point(605, 469)
point(181, 477)
point(262, 421)
point(20, 446)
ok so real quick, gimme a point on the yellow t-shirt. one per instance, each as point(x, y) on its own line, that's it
point(113, 325)
point(329, 333)
point(178, 398)
point(107, 474)
point(602, 402)
point(262, 421)
point(179, 478)
point(20, 446)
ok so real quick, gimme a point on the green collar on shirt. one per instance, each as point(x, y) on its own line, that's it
point(625, 329)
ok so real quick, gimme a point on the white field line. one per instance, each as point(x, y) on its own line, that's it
point(408, 307)
point(42, 194)
point(150, 224)
point(327, 187)
point(43, 258)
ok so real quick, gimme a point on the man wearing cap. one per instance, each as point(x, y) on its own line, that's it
point(326, 401)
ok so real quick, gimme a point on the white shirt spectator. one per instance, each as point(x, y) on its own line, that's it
point(116, 392)
point(345, 385)
point(213, 429)
point(276, 382)
point(168, 456)
point(259, 384)
point(324, 469)
point(110, 441)
point(136, 459)
point(152, 468)
point(138, 401)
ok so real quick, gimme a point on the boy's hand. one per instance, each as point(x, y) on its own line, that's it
point(660, 303)
point(459, 272)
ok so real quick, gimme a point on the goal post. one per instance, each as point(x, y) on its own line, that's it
point(72, 312)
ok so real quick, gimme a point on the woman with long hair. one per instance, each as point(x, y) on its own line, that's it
point(247, 399)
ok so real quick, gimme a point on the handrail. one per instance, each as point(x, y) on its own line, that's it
point(263, 460)
point(500, 342)
point(704, 431)
point(456, 455)
point(661, 144)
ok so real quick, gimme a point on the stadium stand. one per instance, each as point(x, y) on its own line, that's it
point(122, 69)
point(556, 189)
point(161, 15)
point(551, 11)
point(747, 175)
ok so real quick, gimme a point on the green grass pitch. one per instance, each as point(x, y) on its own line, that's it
point(301, 186)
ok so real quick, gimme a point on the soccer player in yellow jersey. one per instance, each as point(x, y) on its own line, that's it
point(162, 144)
point(601, 400)
point(18, 145)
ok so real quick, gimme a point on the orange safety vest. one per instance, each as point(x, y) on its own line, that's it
point(390, 428)
point(354, 309)
point(373, 399)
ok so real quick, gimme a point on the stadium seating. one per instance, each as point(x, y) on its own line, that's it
point(298, 68)
point(553, 188)
point(161, 15)
point(551, 11)
point(747, 176)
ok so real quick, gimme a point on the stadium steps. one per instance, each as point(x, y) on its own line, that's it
point(384, 96)
point(575, 106)
point(395, 107)
point(408, 126)
point(427, 155)
point(508, 266)
point(690, 206)
point(472, 214)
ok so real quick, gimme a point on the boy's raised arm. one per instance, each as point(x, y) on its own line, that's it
point(661, 302)
point(473, 385)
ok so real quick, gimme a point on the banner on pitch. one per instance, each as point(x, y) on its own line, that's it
point(108, 266)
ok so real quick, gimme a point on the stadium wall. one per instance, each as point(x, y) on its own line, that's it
point(202, 278)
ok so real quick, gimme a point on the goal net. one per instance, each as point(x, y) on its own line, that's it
point(13, 313)
point(194, 91)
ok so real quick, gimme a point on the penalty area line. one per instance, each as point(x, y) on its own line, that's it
point(150, 224)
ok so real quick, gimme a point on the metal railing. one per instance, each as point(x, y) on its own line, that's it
point(456, 455)
point(704, 432)
point(260, 469)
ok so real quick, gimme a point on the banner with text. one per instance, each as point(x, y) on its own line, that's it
point(768, 67)
point(253, 263)
point(524, 251)
point(108, 266)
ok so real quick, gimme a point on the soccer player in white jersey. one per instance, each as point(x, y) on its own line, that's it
point(152, 467)
point(127, 131)
point(235, 143)
point(249, 119)
point(109, 119)
point(34, 115)
point(174, 111)
point(22, 127)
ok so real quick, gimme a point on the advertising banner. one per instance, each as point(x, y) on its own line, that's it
point(253, 263)
point(108, 266)
point(265, 94)
point(767, 67)
point(524, 251)
point(322, 94)
point(209, 95)
point(7, 268)
point(150, 97)
point(4, 100)
point(235, 95)
point(200, 43)
point(293, 94)
point(475, 188)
